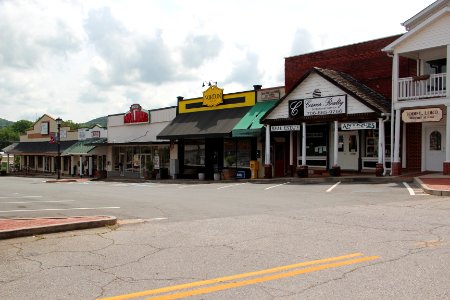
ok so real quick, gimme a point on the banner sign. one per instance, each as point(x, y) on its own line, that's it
point(422, 115)
point(285, 128)
point(320, 106)
point(358, 126)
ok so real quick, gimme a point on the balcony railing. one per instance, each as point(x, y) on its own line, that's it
point(424, 86)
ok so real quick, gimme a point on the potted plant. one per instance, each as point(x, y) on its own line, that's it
point(149, 174)
point(229, 172)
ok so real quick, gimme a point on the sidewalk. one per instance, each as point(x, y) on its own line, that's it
point(12, 228)
point(434, 184)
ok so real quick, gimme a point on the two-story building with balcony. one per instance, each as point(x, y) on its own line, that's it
point(420, 103)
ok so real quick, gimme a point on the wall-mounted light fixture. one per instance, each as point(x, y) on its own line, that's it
point(209, 83)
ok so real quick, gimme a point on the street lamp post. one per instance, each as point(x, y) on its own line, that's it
point(58, 142)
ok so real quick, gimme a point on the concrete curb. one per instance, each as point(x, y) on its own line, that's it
point(429, 190)
point(75, 225)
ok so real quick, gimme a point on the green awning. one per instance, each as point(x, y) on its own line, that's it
point(249, 125)
point(83, 147)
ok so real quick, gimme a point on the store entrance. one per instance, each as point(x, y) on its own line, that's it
point(280, 159)
point(348, 150)
point(435, 148)
point(213, 156)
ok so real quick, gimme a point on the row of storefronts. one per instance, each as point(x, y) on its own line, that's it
point(378, 106)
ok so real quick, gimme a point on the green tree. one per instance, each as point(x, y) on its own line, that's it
point(21, 126)
point(8, 136)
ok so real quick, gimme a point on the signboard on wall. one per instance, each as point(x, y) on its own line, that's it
point(136, 115)
point(285, 128)
point(321, 106)
point(422, 115)
point(358, 126)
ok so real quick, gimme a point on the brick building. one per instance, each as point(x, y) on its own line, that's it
point(318, 136)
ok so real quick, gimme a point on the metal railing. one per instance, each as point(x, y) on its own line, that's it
point(424, 86)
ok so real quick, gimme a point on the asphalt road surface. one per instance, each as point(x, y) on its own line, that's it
point(229, 241)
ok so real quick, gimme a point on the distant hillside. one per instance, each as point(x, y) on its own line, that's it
point(100, 121)
point(4, 123)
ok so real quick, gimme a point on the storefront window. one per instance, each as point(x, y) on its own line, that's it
point(316, 142)
point(236, 153)
point(371, 143)
point(194, 153)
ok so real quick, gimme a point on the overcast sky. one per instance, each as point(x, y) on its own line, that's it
point(80, 60)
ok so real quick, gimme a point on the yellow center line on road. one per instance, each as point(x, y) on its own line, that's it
point(261, 279)
point(232, 277)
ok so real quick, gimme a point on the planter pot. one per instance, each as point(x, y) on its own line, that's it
point(216, 176)
point(201, 176)
point(228, 173)
point(302, 171)
point(379, 170)
point(335, 171)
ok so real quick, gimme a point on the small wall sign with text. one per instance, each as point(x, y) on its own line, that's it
point(358, 126)
point(332, 105)
point(285, 128)
point(422, 115)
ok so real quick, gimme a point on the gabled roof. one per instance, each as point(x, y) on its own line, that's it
point(425, 13)
point(350, 85)
point(420, 21)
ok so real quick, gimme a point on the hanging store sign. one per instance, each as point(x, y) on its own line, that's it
point(358, 126)
point(422, 115)
point(213, 96)
point(285, 128)
point(320, 106)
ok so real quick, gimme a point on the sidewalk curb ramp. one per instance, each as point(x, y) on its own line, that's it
point(429, 190)
point(13, 228)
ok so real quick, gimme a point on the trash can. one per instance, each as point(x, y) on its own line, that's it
point(254, 166)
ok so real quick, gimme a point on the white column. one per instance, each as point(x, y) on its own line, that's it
point(7, 163)
point(447, 135)
point(303, 144)
point(448, 73)
point(291, 148)
point(36, 162)
point(72, 166)
point(336, 138)
point(394, 101)
point(81, 165)
point(397, 136)
point(298, 148)
point(61, 164)
point(267, 152)
point(90, 165)
point(380, 140)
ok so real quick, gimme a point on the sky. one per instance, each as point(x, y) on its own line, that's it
point(79, 60)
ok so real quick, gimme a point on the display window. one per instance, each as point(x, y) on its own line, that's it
point(194, 153)
point(237, 153)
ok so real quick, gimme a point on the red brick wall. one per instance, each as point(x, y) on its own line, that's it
point(364, 61)
point(413, 146)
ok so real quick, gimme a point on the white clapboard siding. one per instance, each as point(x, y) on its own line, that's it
point(305, 90)
point(435, 34)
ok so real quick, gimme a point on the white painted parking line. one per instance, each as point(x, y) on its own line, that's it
point(331, 188)
point(47, 201)
point(231, 185)
point(410, 190)
point(274, 186)
point(58, 209)
point(19, 197)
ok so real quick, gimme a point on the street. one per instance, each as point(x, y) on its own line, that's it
point(229, 241)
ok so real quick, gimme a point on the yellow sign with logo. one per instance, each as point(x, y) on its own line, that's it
point(213, 96)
